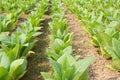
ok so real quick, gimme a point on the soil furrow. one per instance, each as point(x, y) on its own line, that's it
point(38, 62)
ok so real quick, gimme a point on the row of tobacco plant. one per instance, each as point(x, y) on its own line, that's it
point(65, 65)
point(15, 47)
point(10, 12)
point(102, 21)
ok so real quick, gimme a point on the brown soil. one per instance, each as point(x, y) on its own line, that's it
point(83, 47)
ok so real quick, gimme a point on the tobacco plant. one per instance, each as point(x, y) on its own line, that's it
point(11, 70)
point(8, 22)
point(68, 68)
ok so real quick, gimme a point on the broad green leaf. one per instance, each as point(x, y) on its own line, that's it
point(111, 51)
point(51, 53)
point(83, 65)
point(68, 50)
point(115, 65)
point(47, 76)
point(57, 69)
point(58, 42)
point(4, 60)
point(66, 61)
point(67, 57)
point(3, 74)
point(116, 47)
point(37, 34)
point(3, 36)
point(94, 42)
point(28, 48)
point(13, 53)
point(68, 36)
point(104, 40)
point(18, 69)
point(84, 76)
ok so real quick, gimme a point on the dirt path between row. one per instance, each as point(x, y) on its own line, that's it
point(38, 62)
point(82, 46)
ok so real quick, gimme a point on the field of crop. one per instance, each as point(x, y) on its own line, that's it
point(59, 39)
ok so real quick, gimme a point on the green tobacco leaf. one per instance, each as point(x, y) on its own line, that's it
point(116, 35)
point(67, 57)
point(105, 52)
point(58, 42)
point(13, 53)
point(55, 55)
point(4, 60)
point(99, 20)
point(95, 28)
point(83, 65)
point(3, 36)
point(66, 61)
point(116, 46)
point(47, 76)
point(57, 69)
point(51, 53)
point(18, 69)
point(111, 51)
point(27, 49)
point(3, 74)
point(59, 45)
point(84, 76)
point(104, 40)
point(68, 36)
point(115, 65)
point(94, 42)
point(68, 50)
point(37, 34)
